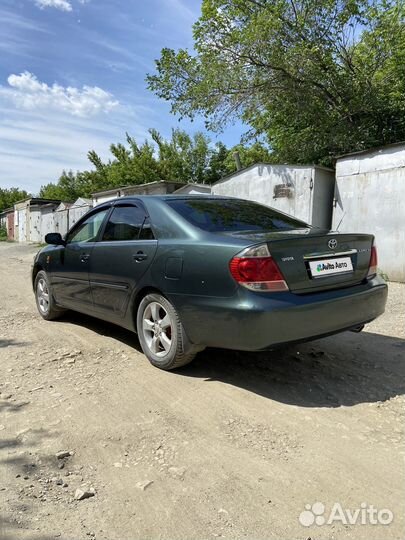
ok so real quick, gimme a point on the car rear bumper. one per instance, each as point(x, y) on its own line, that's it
point(257, 321)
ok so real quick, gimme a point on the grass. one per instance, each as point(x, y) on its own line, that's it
point(3, 234)
point(383, 275)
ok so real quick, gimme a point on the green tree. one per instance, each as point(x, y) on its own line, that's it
point(3, 233)
point(181, 158)
point(316, 77)
point(68, 188)
point(9, 196)
point(72, 185)
point(217, 167)
point(135, 164)
point(248, 155)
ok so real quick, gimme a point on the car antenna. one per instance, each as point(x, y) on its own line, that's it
point(340, 222)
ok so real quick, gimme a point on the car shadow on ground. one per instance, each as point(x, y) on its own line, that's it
point(345, 369)
point(102, 328)
point(12, 343)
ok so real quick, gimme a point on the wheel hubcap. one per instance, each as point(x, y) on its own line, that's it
point(43, 296)
point(157, 329)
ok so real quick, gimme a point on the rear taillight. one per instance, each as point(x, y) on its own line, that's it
point(255, 269)
point(372, 267)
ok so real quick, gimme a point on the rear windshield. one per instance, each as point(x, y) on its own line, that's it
point(233, 215)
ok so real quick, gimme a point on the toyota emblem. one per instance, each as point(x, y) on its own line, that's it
point(332, 243)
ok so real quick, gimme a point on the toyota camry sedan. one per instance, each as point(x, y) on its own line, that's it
point(189, 272)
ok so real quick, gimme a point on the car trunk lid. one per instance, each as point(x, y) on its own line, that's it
point(315, 260)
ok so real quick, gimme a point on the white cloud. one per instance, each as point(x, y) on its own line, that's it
point(35, 146)
point(17, 21)
point(63, 5)
point(28, 93)
point(180, 8)
point(17, 34)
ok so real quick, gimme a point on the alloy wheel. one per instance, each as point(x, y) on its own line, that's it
point(43, 296)
point(157, 329)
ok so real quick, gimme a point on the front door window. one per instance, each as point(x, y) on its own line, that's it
point(87, 230)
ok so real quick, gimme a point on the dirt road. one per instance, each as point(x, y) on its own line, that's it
point(234, 445)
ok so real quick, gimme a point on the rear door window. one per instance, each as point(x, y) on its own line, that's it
point(146, 231)
point(233, 215)
point(125, 223)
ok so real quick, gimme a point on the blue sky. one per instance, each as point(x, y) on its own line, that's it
point(72, 78)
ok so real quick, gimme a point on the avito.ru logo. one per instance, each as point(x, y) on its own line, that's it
point(365, 515)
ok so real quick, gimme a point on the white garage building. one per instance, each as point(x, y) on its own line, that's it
point(370, 198)
point(303, 191)
point(33, 219)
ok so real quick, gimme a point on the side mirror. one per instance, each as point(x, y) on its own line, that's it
point(55, 239)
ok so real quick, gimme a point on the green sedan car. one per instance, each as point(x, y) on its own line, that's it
point(189, 272)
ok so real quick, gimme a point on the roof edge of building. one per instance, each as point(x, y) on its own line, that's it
point(264, 164)
point(137, 186)
point(370, 150)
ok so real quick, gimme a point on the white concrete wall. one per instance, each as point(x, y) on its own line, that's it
point(193, 189)
point(99, 199)
point(381, 159)
point(65, 219)
point(369, 198)
point(61, 221)
point(257, 184)
point(42, 222)
point(35, 225)
point(76, 212)
point(21, 224)
point(47, 222)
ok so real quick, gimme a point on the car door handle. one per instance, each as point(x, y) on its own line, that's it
point(84, 257)
point(140, 256)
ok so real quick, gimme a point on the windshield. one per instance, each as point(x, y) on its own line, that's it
point(233, 215)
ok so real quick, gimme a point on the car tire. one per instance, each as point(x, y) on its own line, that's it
point(46, 305)
point(161, 334)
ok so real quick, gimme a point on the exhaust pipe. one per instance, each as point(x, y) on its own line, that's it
point(357, 329)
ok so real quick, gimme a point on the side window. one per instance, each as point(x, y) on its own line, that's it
point(146, 232)
point(125, 223)
point(88, 229)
